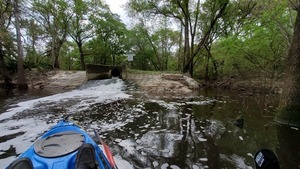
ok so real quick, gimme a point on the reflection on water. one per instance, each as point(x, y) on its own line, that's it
point(288, 149)
point(196, 132)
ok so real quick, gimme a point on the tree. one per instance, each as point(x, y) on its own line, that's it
point(187, 13)
point(142, 49)
point(21, 74)
point(154, 45)
point(216, 11)
point(54, 16)
point(165, 40)
point(253, 42)
point(109, 37)
point(81, 28)
point(230, 24)
point(34, 34)
point(289, 106)
point(6, 13)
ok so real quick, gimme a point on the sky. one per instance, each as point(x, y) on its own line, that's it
point(116, 7)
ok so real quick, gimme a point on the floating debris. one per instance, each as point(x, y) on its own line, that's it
point(294, 128)
point(241, 138)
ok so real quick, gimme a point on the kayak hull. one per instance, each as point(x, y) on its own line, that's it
point(66, 157)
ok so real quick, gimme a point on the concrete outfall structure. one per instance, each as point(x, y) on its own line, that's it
point(98, 72)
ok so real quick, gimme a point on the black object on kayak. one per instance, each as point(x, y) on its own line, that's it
point(266, 159)
point(22, 163)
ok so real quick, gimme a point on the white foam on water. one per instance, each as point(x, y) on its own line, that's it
point(250, 155)
point(164, 166)
point(30, 128)
point(238, 161)
point(206, 102)
point(92, 92)
point(174, 105)
point(174, 167)
point(128, 145)
point(295, 128)
point(203, 159)
point(4, 162)
point(121, 163)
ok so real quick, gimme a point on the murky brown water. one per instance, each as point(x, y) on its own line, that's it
point(194, 132)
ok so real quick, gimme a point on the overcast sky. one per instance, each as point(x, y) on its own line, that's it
point(116, 7)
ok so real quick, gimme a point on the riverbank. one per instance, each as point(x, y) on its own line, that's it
point(247, 87)
point(154, 83)
point(163, 84)
point(55, 80)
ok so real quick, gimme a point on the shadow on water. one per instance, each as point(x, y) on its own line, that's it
point(12, 150)
point(194, 132)
point(14, 96)
point(288, 149)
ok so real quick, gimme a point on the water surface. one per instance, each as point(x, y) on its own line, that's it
point(196, 131)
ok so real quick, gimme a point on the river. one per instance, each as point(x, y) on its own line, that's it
point(197, 131)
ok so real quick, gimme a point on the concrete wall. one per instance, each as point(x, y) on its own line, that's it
point(96, 72)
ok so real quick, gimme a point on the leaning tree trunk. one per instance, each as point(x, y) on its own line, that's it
point(289, 106)
point(21, 74)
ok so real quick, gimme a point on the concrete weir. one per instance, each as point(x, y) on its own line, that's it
point(97, 72)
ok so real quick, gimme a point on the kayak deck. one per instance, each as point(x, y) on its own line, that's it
point(59, 144)
point(58, 148)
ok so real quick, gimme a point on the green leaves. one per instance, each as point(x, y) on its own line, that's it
point(259, 46)
point(249, 39)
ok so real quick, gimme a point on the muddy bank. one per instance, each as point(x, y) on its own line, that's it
point(55, 80)
point(248, 87)
point(164, 84)
point(153, 83)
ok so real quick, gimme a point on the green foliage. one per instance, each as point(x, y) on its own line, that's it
point(249, 41)
point(154, 49)
point(70, 58)
point(110, 40)
point(7, 46)
point(229, 55)
point(258, 48)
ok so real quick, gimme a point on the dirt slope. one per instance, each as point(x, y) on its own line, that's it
point(61, 80)
point(164, 84)
point(153, 84)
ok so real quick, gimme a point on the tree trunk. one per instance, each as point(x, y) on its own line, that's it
point(57, 46)
point(53, 50)
point(82, 62)
point(187, 58)
point(180, 56)
point(289, 106)
point(113, 59)
point(188, 66)
point(21, 74)
point(206, 76)
point(56, 61)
